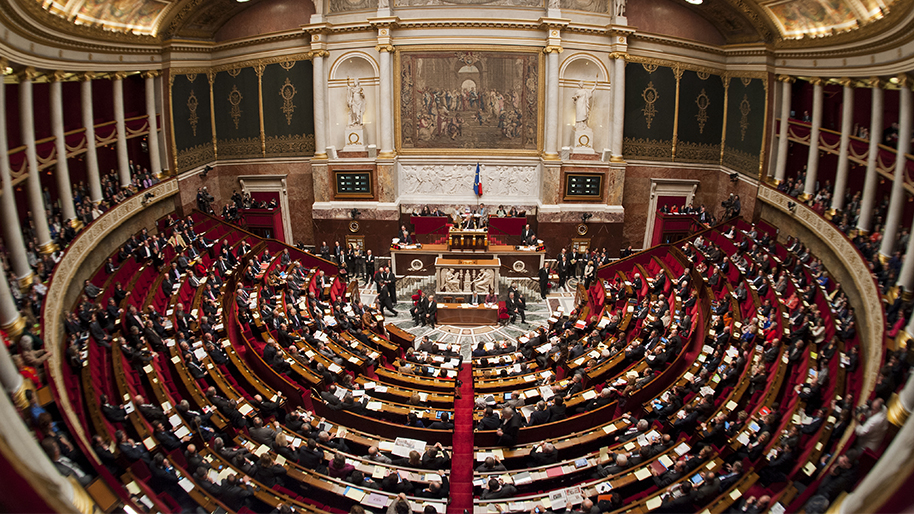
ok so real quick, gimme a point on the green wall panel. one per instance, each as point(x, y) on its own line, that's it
point(237, 109)
point(191, 120)
point(288, 108)
point(701, 118)
point(650, 102)
point(745, 125)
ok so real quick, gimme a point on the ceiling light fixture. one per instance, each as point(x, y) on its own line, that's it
point(695, 2)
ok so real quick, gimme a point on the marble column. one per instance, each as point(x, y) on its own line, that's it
point(812, 162)
point(123, 162)
point(62, 169)
point(896, 200)
point(870, 181)
point(152, 140)
point(36, 200)
point(847, 118)
point(552, 103)
point(618, 104)
point(891, 471)
point(11, 226)
point(12, 323)
point(320, 110)
point(95, 183)
point(387, 100)
point(786, 91)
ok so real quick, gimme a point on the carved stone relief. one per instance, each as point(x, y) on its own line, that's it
point(457, 180)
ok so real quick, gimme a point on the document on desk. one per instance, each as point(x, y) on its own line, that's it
point(404, 445)
point(522, 478)
point(375, 500)
point(642, 473)
point(376, 406)
point(354, 494)
point(653, 503)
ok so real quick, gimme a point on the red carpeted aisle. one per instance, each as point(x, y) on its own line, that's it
point(462, 460)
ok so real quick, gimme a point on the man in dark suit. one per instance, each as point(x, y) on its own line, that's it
point(431, 311)
point(514, 307)
point(527, 237)
point(418, 310)
point(544, 281)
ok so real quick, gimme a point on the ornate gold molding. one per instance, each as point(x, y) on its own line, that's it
point(320, 53)
point(28, 73)
point(847, 82)
point(26, 282)
point(86, 76)
point(897, 414)
point(619, 55)
point(553, 48)
point(16, 327)
point(875, 82)
point(384, 48)
point(904, 80)
point(119, 75)
point(57, 76)
point(786, 78)
point(47, 248)
point(151, 74)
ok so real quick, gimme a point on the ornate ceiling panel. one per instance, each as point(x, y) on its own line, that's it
point(740, 21)
point(131, 16)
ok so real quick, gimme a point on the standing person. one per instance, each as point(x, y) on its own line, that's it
point(544, 280)
point(369, 266)
point(563, 265)
point(391, 284)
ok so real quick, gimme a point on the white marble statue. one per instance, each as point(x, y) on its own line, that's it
point(619, 8)
point(583, 101)
point(355, 99)
point(484, 281)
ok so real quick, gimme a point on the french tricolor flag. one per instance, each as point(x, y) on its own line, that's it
point(477, 185)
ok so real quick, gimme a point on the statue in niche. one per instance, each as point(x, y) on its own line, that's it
point(355, 99)
point(583, 101)
point(619, 8)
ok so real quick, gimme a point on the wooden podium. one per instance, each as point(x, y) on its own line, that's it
point(468, 240)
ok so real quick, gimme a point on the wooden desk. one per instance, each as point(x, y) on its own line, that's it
point(454, 314)
point(468, 239)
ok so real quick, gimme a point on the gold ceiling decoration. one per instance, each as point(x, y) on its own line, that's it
point(798, 19)
point(650, 96)
point(142, 17)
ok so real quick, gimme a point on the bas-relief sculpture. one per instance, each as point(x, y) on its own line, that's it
point(458, 280)
point(422, 3)
point(422, 181)
point(469, 100)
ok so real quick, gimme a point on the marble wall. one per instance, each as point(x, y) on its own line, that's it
point(223, 179)
point(714, 188)
point(267, 17)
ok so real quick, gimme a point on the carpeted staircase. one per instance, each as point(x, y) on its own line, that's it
point(461, 498)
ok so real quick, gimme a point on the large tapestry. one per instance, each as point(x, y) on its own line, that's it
point(469, 101)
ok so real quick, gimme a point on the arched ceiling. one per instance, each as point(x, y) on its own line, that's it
point(739, 21)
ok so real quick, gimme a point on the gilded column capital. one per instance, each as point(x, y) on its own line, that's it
point(151, 74)
point(875, 82)
point(118, 75)
point(847, 82)
point(897, 414)
point(817, 81)
point(553, 48)
point(786, 78)
point(4, 63)
point(14, 329)
point(86, 76)
point(384, 48)
point(57, 76)
point(618, 55)
point(26, 74)
point(319, 53)
point(904, 80)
